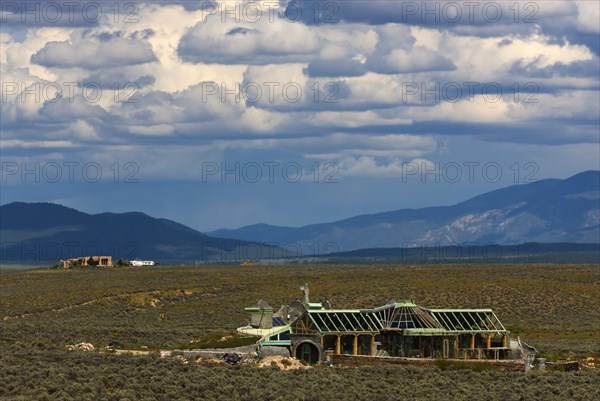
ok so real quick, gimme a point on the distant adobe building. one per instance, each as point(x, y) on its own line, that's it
point(397, 329)
point(100, 261)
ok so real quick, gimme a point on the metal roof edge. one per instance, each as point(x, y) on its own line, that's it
point(460, 310)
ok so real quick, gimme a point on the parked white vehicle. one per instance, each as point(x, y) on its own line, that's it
point(142, 263)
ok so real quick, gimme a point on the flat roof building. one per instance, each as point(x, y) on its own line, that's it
point(100, 261)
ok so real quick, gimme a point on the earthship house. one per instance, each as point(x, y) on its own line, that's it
point(311, 331)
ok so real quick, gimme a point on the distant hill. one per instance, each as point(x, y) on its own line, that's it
point(531, 252)
point(550, 210)
point(40, 232)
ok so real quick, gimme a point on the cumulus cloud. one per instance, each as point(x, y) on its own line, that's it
point(588, 16)
point(264, 42)
point(94, 53)
point(288, 88)
point(385, 65)
point(194, 72)
point(82, 130)
point(368, 166)
point(388, 49)
point(418, 59)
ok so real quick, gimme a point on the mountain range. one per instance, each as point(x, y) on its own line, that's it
point(549, 210)
point(546, 211)
point(43, 232)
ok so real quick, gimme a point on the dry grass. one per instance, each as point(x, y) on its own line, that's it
point(161, 307)
point(553, 307)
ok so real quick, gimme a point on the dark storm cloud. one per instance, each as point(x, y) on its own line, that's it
point(478, 18)
point(422, 13)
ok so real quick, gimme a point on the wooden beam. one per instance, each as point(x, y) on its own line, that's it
point(373, 350)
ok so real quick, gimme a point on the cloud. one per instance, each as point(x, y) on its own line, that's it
point(214, 41)
point(588, 16)
point(16, 143)
point(388, 49)
point(188, 63)
point(113, 78)
point(418, 59)
point(367, 166)
point(579, 69)
point(336, 68)
point(174, 54)
point(94, 53)
point(82, 130)
point(578, 21)
point(355, 119)
point(288, 88)
point(152, 130)
point(341, 145)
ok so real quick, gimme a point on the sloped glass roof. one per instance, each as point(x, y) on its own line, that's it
point(408, 317)
point(341, 321)
point(479, 320)
point(405, 316)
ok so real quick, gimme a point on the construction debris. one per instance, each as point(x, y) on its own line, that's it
point(281, 362)
point(232, 358)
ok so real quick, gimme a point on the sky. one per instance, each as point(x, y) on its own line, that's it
point(225, 114)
